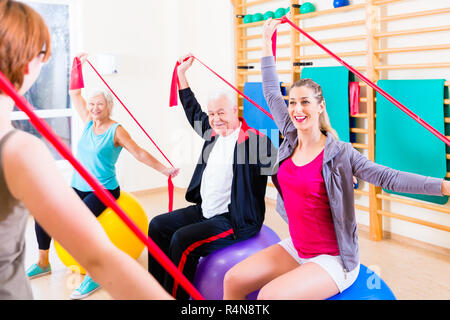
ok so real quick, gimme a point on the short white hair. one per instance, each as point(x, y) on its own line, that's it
point(223, 92)
point(106, 95)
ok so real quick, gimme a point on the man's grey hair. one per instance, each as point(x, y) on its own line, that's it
point(223, 92)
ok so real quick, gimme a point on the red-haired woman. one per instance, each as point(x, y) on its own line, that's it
point(30, 181)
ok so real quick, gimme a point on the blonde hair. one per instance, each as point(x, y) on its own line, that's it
point(324, 119)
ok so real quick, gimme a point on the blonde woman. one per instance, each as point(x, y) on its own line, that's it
point(315, 191)
point(99, 148)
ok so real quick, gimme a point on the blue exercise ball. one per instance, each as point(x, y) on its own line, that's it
point(211, 269)
point(340, 3)
point(368, 286)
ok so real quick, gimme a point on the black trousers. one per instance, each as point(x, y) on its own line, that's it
point(184, 235)
point(92, 202)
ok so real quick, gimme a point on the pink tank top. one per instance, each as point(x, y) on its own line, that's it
point(306, 202)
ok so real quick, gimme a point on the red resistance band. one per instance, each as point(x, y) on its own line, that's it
point(103, 195)
point(76, 82)
point(76, 76)
point(371, 84)
point(176, 84)
point(354, 91)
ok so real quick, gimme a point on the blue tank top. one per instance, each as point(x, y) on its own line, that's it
point(98, 155)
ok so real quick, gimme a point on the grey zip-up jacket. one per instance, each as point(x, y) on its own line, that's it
point(340, 163)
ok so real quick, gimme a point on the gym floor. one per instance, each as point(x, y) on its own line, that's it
point(413, 270)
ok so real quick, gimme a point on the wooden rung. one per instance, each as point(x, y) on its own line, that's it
point(360, 115)
point(414, 66)
point(279, 46)
point(414, 203)
point(410, 31)
point(447, 175)
point(413, 49)
point(446, 101)
point(259, 35)
point(258, 60)
point(325, 56)
point(414, 14)
point(359, 130)
point(413, 220)
point(335, 26)
point(361, 192)
point(257, 72)
point(360, 146)
point(360, 68)
point(249, 25)
point(381, 2)
point(328, 11)
point(447, 83)
point(331, 40)
point(252, 3)
point(362, 208)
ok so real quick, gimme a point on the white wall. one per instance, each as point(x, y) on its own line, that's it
point(148, 37)
point(135, 32)
point(205, 30)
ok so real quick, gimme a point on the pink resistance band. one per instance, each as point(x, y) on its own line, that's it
point(371, 84)
point(354, 91)
point(104, 196)
point(76, 82)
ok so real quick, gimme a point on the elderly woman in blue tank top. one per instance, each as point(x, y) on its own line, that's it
point(98, 150)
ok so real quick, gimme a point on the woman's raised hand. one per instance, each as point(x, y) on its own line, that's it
point(269, 28)
point(82, 56)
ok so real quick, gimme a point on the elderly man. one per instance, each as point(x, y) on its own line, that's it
point(228, 187)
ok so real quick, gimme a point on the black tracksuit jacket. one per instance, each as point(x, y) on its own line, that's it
point(254, 157)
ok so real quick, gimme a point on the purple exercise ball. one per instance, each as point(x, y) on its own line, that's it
point(211, 269)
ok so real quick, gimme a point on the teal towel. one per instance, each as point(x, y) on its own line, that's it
point(404, 144)
point(335, 86)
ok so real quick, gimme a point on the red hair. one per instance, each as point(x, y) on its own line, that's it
point(23, 36)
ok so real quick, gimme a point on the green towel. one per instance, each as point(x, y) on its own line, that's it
point(404, 144)
point(335, 85)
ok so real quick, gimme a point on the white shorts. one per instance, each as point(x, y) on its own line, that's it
point(331, 264)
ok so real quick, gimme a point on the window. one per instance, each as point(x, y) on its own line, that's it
point(49, 95)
